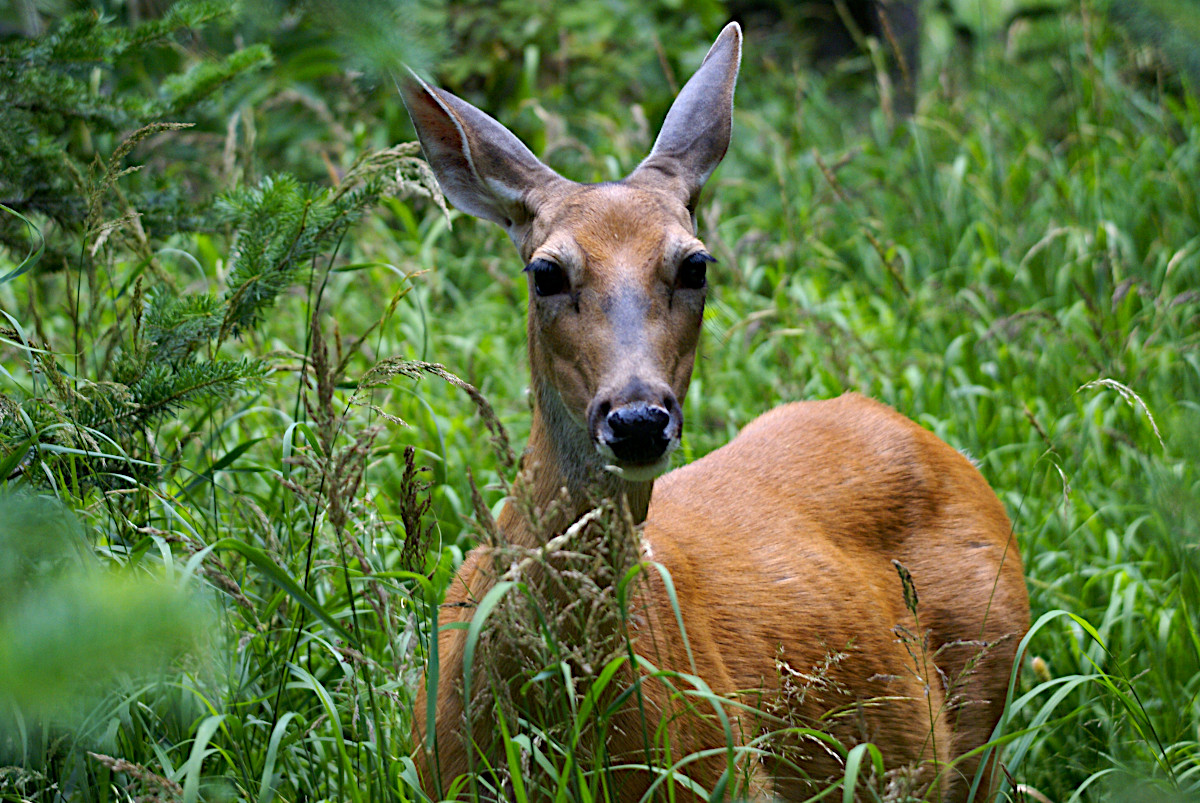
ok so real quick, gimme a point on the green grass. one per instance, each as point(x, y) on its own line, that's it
point(1016, 268)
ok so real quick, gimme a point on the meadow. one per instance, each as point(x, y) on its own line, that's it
point(254, 372)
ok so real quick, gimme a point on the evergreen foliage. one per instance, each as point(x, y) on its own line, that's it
point(63, 102)
point(143, 354)
point(284, 224)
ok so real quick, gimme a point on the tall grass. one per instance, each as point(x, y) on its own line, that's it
point(1015, 267)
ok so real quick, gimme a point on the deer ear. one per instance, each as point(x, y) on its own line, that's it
point(695, 135)
point(480, 165)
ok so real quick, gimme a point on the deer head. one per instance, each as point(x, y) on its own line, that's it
point(616, 272)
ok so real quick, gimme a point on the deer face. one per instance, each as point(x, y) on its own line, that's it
point(616, 273)
point(616, 286)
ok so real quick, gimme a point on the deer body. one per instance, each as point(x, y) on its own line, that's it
point(781, 544)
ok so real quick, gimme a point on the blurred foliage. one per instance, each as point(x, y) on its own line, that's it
point(1171, 27)
point(69, 627)
point(513, 54)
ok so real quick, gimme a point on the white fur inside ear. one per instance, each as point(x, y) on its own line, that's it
point(506, 193)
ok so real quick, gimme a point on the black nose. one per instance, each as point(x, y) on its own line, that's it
point(637, 433)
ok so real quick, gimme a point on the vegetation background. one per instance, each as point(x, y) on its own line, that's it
point(232, 483)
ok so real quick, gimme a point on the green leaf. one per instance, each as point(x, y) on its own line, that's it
point(278, 576)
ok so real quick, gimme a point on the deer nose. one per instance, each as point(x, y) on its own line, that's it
point(638, 432)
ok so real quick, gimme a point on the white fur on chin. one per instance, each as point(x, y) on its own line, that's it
point(641, 473)
point(637, 473)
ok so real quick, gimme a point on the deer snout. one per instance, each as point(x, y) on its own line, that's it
point(637, 433)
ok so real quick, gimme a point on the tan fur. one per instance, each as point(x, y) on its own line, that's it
point(780, 544)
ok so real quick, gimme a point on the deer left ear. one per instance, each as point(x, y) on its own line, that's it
point(696, 132)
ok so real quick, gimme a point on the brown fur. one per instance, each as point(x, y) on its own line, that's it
point(781, 544)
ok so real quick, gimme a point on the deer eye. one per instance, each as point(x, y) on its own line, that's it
point(549, 278)
point(692, 271)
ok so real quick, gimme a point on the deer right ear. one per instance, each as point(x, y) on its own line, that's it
point(480, 165)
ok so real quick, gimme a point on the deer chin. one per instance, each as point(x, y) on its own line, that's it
point(637, 472)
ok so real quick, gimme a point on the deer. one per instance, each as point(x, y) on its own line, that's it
point(803, 543)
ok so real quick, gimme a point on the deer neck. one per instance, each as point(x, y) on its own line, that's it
point(564, 476)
